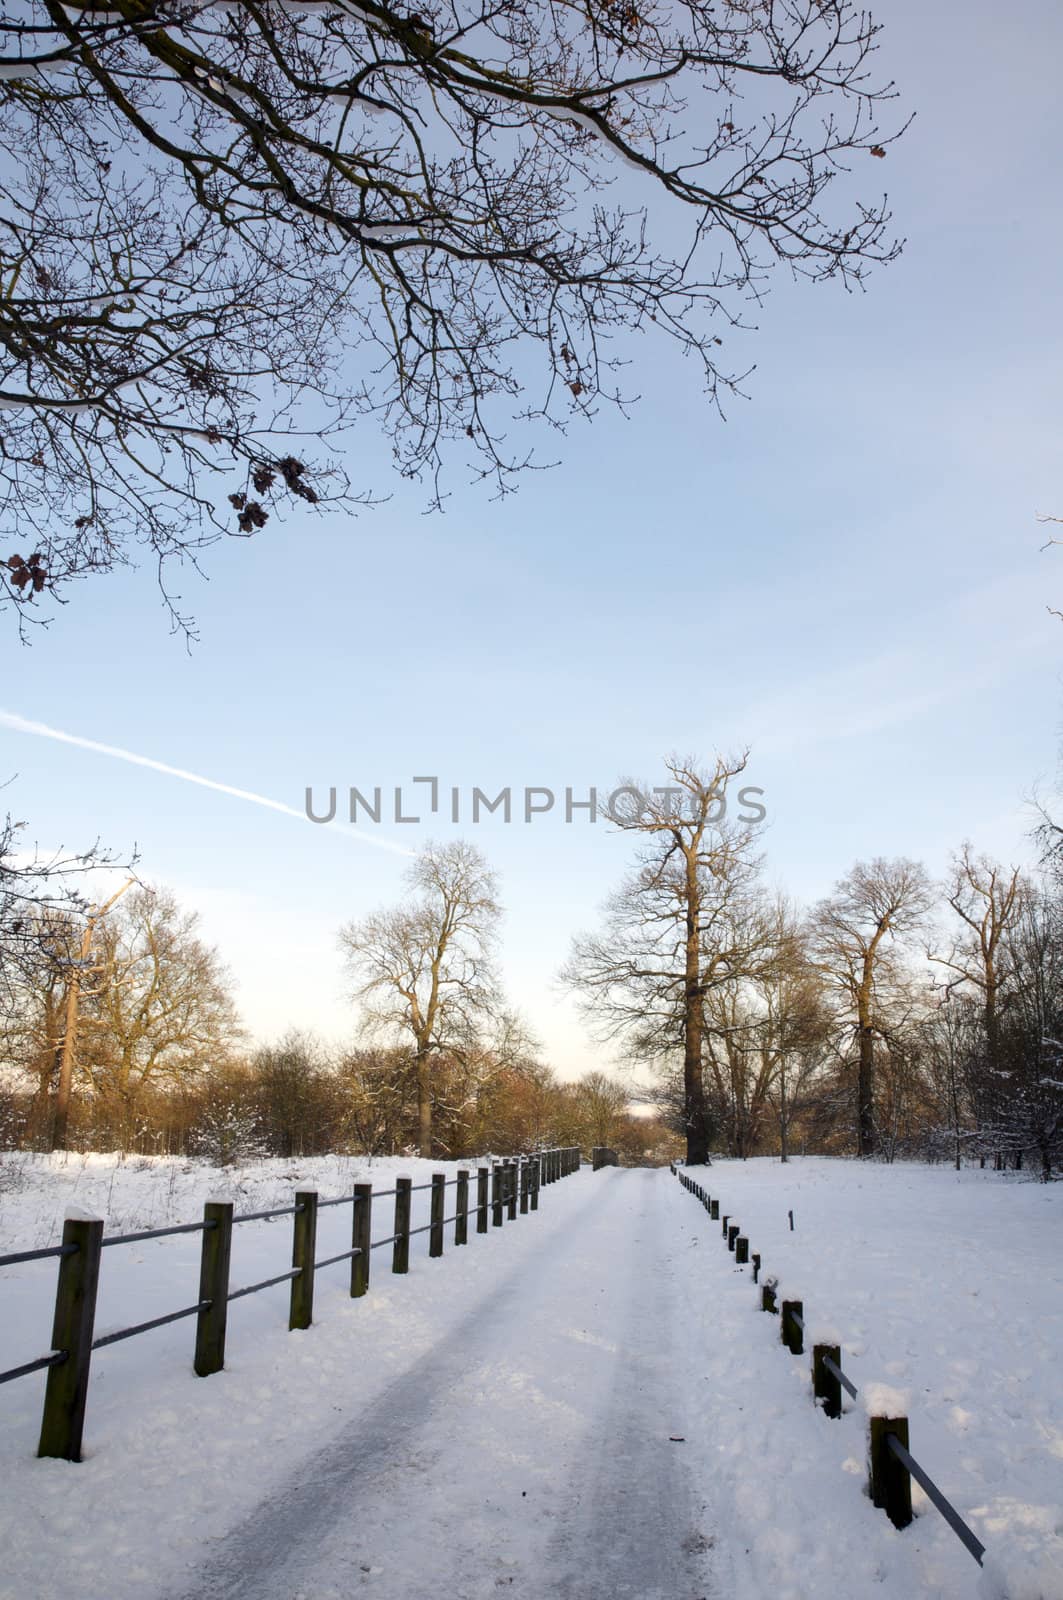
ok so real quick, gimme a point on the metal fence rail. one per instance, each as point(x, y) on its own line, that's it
point(37, 1255)
point(146, 1327)
point(934, 1494)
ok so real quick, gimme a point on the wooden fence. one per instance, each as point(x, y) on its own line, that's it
point(503, 1190)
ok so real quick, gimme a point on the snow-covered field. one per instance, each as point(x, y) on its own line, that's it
point(947, 1286)
point(586, 1403)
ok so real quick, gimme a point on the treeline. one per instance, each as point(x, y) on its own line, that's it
point(127, 1003)
point(898, 1017)
point(299, 1098)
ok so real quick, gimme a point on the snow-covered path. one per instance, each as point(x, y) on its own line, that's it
point(538, 1447)
point(588, 1402)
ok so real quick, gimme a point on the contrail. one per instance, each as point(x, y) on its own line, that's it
point(10, 719)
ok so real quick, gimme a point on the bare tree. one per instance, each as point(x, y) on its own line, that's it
point(156, 1004)
point(44, 904)
point(603, 1103)
point(425, 968)
point(224, 223)
point(989, 901)
point(37, 887)
point(676, 929)
point(766, 1032)
point(855, 934)
point(379, 1099)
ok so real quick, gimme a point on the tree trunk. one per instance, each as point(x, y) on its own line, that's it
point(865, 1094)
point(66, 1059)
point(424, 1104)
point(697, 1118)
point(865, 1086)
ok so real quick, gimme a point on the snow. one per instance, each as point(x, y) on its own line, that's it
point(882, 1400)
point(948, 1287)
point(585, 1403)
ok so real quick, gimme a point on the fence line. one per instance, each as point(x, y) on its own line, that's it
point(892, 1466)
point(517, 1179)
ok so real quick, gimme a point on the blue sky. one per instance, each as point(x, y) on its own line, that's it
point(845, 575)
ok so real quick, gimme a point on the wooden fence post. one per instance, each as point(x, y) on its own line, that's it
point(825, 1385)
point(790, 1329)
point(461, 1207)
point(400, 1253)
point(714, 1210)
point(75, 1314)
point(741, 1251)
point(756, 1267)
point(361, 1238)
point(482, 1177)
point(732, 1234)
point(511, 1191)
point(724, 1221)
point(525, 1182)
point(767, 1295)
point(213, 1288)
point(437, 1213)
point(891, 1483)
point(496, 1197)
point(304, 1244)
point(535, 1171)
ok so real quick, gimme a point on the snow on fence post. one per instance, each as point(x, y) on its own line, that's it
point(361, 1238)
point(482, 1176)
point(496, 1197)
point(732, 1234)
point(741, 1251)
point(511, 1190)
point(437, 1213)
point(525, 1184)
point(714, 1210)
point(213, 1288)
point(890, 1480)
point(75, 1316)
point(825, 1386)
point(400, 1252)
point(304, 1244)
point(790, 1329)
point(461, 1207)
